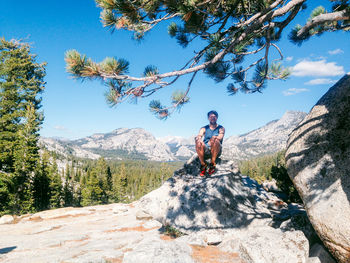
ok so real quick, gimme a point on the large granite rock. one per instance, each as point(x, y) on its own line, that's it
point(227, 209)
point(225, 200)
point(318, 161)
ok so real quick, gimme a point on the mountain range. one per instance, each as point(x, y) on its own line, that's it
point(137, 143)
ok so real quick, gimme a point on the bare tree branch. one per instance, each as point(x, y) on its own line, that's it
point(156, 21)
point(283, 24)
point(252, 52)
point(278, 49)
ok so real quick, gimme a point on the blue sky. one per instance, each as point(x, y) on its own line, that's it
point(74, 109)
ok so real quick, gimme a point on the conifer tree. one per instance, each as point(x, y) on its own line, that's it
point(123, 183)
point(109, 179)
point(229, 31)
point(120, 183)
point(21, 83)
point(92, 193)
point(56, 192)
point(103, 172)
point(68, 187)
point(4, 194)
point(41, 184)
point(115, 192)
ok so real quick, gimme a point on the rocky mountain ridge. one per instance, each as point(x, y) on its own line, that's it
point(119, 144)
point(267, 139)
point(137, 143)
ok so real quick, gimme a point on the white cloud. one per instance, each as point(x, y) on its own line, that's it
point(60, 128)
point(319, 68)
point(320, 81)
point(293, 91)
point(335, 51)
point(289, 58)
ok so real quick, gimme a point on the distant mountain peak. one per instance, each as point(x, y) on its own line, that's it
point(270, 138)
point(137, 143)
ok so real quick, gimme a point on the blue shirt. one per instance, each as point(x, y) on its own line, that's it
point(210, 133)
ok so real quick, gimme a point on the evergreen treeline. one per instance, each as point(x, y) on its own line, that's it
point(92, 182)
point(270, 167)
point(21, 83)
point(260, 168)
point(89, 182)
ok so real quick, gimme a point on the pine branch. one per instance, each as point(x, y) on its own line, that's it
point(252, 24)
point(232, 32)
point(178, 100)
point(279, 12)
point(322, 19)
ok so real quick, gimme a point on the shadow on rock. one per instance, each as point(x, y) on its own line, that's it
point(7, 249)
point(322, 142)
point(317, 157)
point(224, 200)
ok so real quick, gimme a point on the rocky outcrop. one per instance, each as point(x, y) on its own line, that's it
point(224, 218)
point(232, 211)
point(318, 161)
point(225, 200)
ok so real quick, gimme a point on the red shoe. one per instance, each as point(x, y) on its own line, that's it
point(203, 170)
point(212, 169)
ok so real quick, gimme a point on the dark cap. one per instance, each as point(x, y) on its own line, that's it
point(213, 112)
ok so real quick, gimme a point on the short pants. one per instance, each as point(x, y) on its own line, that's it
point(207, 152)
